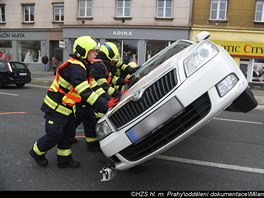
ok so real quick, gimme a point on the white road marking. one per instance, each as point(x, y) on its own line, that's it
point(39, 86)
point(9, 94)
point(243, 121)
point(9, 113)
point(211, 164)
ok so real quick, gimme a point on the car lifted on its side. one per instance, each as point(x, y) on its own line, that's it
point(171, 96)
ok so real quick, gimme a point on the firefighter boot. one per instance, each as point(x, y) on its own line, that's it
point(69, 164)
point(40, 159)
point(93, 146)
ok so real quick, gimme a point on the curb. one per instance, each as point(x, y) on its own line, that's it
point(41, 82)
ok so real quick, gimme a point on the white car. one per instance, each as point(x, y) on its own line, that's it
point(173, 94)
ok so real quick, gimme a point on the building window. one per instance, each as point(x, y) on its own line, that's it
point(164, 8)
point(259, 11)
point(58, 10)
point(2, 13)
point(85, 8)
point(29, 15)
point(218, 10)
point(123, 8)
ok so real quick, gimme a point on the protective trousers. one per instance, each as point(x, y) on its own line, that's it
point(59, 131)
point(85, 114)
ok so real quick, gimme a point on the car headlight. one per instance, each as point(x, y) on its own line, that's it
point(205, 52)
point(103, 130)
point(226, 84)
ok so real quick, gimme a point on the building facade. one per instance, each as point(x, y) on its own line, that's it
point(238, 26)
point(31, 28)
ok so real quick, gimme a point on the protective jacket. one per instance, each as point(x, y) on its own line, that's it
point(69, 87)
point(104, 74)
point(122, 69)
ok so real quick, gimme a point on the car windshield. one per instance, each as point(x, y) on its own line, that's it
point(158, 59)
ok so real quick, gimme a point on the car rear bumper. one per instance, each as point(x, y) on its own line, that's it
point(16, 81)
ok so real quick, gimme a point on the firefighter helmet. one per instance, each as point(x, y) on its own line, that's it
point(83, 44)
point(111, 51)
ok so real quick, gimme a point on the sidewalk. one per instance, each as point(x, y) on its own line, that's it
point(46, 79)
point(42, 78)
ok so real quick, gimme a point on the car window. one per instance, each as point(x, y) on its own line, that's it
point(160, 58)
point(17, 66)
point(3, 67)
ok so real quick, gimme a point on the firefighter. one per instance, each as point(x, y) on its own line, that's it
point(104, 71)
point(126, 69)
point(85, 114)
point(69, 87)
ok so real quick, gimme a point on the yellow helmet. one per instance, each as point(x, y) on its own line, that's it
point(83, 44)
point(111, 51)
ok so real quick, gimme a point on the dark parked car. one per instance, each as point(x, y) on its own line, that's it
point(14, 72)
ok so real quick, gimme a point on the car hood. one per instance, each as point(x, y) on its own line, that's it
point(144, 81)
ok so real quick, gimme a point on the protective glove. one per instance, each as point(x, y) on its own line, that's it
point(127, 81)
point(112, 102)
point(123, 92)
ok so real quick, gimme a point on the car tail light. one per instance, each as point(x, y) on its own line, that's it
point(9, 68)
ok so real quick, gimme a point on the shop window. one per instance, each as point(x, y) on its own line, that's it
point(2, 13)
point(130, 51)
point(58, 10)
point(29, 51)
point(153, 47)
point(259, 17)
point(127, 49)
point(218, 10)
point(29, 13)
point(85, 8)
point(258, 70)
point(164, 8)
point(123, 8)
point(6, 50)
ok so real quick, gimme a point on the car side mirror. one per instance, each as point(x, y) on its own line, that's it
point(202, 36)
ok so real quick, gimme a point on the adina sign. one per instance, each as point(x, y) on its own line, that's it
point(247, 49)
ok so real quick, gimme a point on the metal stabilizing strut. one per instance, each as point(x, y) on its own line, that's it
point(108, 172)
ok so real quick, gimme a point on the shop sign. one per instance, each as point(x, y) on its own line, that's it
point(62, 44)
point(122, 33)
point(12, 35)
point(247, 49)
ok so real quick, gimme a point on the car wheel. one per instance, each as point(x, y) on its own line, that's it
point(141, 167)
point(244, 103)
point(20, 84)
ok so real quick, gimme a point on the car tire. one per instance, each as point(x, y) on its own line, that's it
point(141, 167)
point(244, 103)
point(20, 84)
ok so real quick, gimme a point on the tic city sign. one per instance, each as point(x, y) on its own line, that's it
point(247, 49)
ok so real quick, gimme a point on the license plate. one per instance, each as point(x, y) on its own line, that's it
point(154, 120)
point(22, 74)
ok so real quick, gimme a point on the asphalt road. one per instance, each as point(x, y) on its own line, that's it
point(226, 154)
